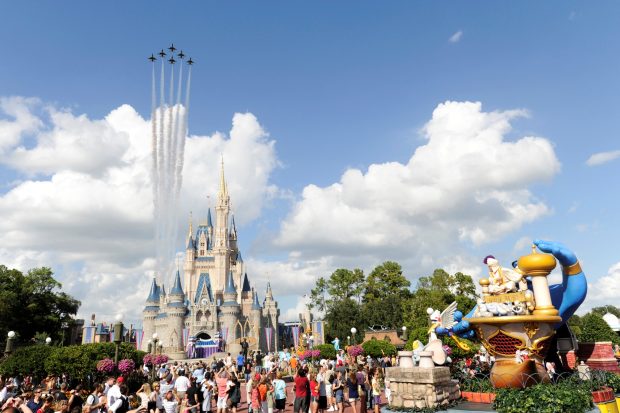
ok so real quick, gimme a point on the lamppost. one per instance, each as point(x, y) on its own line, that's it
point(149, 346)
point(310, 343)
point(161, 347)
point(9, 343)
point(154, 348)
point(348, 340)
point(48, 341)
point(353, 331)
point(404, 328)
point(118, 335)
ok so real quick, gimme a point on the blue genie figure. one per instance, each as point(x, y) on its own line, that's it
point(508, 334)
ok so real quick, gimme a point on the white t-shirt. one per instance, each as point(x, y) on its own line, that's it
point(170, 406)
point(113, 394)
point(181, 383)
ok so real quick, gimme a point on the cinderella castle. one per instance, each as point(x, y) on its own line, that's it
point(213, 298)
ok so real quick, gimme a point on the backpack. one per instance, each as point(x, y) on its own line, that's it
point(124, 407)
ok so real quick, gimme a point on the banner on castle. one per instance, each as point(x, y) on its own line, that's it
point(295, 330)
point(185, 337)
point(318, 333)
point(268, 334)
point(139, 333)
point(88, 334)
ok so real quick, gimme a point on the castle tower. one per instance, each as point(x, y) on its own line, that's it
point(221, 246)
point(176, 310)
point(150, 313)
point(256, 320)
point(270, 315)
point(230, 310)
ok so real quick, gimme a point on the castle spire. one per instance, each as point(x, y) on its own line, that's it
point(209, 220)
point(154, 292)
point(223, 189)
point(191, 225)
point(255, 304)
point(176, 288)
point(269, 293)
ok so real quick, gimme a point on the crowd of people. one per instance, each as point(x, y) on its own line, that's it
point(215, 386)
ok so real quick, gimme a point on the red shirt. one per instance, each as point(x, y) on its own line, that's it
point(314, 388)
point(301, 386)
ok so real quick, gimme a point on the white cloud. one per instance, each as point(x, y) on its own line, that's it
point(456, 37)
point(466, 186)
point(604, 290)
point(602, 157)
point(83, 204)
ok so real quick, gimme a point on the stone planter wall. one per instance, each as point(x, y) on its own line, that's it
point(421, 388)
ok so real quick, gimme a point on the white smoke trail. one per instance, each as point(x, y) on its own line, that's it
point(169, 130)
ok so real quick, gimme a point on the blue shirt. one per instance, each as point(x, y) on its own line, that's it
point(240, 360)
point(279, 387)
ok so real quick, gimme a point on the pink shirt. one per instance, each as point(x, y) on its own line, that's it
point(221, 386)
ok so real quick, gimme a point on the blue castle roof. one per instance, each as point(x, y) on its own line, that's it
point(204, 287)
point(246, 284)
point(255, 304)
point(230, 285)
point(154, 292)
point(176, 288)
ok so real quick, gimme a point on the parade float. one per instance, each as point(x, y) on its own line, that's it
point(518, 313)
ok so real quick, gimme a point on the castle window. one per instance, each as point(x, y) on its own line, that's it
point(202, 252)
point(202, 244)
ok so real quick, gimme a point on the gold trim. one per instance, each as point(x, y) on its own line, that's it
point(572, 269)
point(536, 348)
point(514, 319)
point(531, 329)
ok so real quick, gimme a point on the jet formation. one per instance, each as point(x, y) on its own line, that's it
point(162, 54)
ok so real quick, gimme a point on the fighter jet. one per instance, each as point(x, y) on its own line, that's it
point(172, 48)
point(162, 53)
point(171, 60)
point(190, 61)
point(152, 58)
point(181, 54)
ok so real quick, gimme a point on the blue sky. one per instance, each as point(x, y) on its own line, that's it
point(342, 85)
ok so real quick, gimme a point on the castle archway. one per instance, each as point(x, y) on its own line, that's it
point(203, 336)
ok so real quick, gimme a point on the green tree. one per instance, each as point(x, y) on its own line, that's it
point(594, 328)
point(27, 360)
point(385, 294)
point(340, 317)
point(574, 322)
point(32, 303)
point(342, 284)
point(327, 350)
point(378, 348)
point(607, 309)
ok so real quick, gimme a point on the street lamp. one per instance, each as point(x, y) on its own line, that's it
point(9, 343)
point(118, 335)
point(404, 328)
point(155, 340)
point(149, 346)
point(353, 331)
point(48, 341)
point(348, 340)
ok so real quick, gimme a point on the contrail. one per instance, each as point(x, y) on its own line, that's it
point(169, 130)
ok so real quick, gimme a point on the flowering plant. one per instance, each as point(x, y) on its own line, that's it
point(310, 354)
point(105, 366)
point(355, 351)
point(126, 366)
point(447, 349)
point(148, 359)
point(160, 359)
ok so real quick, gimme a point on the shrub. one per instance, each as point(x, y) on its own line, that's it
point(419, 333)
point(378, 348)
point(27, 360)
point(327, 351)
point(567, 396)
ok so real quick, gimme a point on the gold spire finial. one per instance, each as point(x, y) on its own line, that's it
point(223, 190)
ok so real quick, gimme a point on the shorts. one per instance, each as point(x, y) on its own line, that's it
point(300, 405)
point(377, 400)
point(339, 397)
point(232, 404)
point(352, 399)
point(221, 402)
point(280, 404)
point(322, 402)
point(328, 391)
point(314, 399)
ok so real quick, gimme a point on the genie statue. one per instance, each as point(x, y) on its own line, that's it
point(566, 297)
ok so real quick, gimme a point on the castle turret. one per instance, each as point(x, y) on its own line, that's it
point(230, 310)
point(270, 315)
point(176, 310)
point(150, 312)
point(256, 319)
